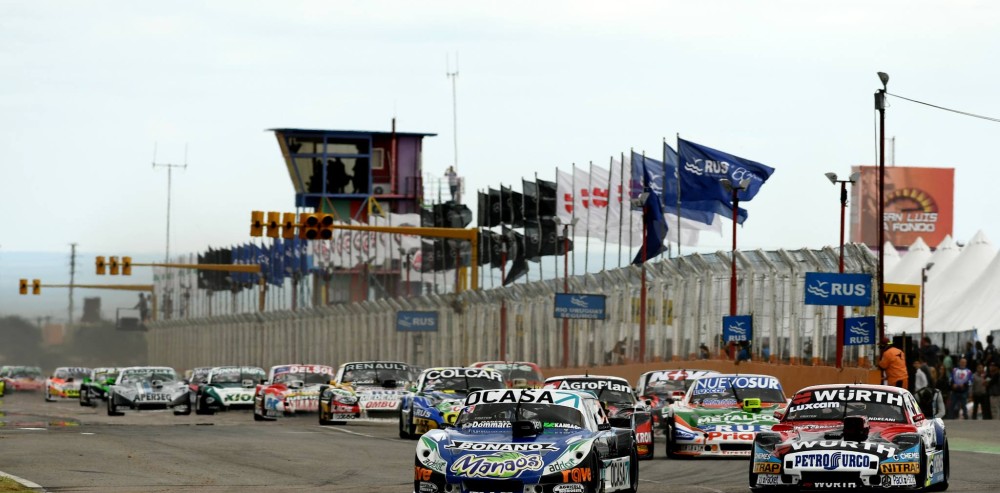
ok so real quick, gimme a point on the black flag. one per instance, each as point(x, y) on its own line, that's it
point(546, 198)
point(530, 200)
point(515, 252)
point(532, 239)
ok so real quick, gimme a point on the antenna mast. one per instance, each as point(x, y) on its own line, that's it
point(454, 104)
point(170, 170)
point(72, 281)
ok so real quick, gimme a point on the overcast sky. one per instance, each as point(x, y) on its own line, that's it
point(88, 88)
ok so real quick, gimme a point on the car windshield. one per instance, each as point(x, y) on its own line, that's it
point(500, 415)
point(837, 411)
point(200, 375)
point(729, 391)
point(234, 377)
point(75, 373)
point(375, 376)
point(164, 375)
point(665, 387)
point(104, 375)
point(461, 384)
point(511, 371)
point(309, 378)
point(28, 372)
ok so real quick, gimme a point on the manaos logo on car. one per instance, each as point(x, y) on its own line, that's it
point(829, 461)
point(498, 465)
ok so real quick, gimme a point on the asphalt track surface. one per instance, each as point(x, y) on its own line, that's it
point(68, 448)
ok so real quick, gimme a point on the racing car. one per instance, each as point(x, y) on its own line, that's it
point(516, 374)
point(337, 404)
point(530, 440)
point(662, 387)
point(439, 396)
point(227, 387)
point(148, 387)
point(65, 383)
point(852, 436)
point(720, 415)
point(95, 385)
point(22, 378)
point(379, 386)
point(624, 409)
point(290, 389)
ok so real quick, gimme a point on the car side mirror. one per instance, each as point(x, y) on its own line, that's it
point(248, 383)
point(604, 426)
point(649, 402)
point(779, 414)
point(70, 379)
point(919, 417)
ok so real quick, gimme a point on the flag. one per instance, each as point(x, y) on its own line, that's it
point(552, 242)
point(599, 192)
point(515, 253)
point(484, 247)
point(496, 249)
point(532, 240)
point(483, 211)
point(688, 206)
point(565, 199)
point(546, 198)
point(656, 229)
point(495, 207)
point(530, 207)
point(702, 167)
point(512, 212)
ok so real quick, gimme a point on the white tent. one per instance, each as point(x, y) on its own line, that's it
point(890, 257)
point(908, 269)
point(975, 307)
point(948, 284)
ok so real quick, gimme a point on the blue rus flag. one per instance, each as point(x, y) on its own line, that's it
point(291, 261)
point(276, 272)
point(693, 209)
point(702, 167)
point(654, 239)
point(264, 259)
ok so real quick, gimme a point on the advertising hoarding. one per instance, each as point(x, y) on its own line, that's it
point(919, 203)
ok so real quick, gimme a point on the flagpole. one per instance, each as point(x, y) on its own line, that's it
point(607, 215)
point(590, 205)
point(621, 205)
point(631, 152)
point(538, 218)
point(678, 168)
point(573, 214)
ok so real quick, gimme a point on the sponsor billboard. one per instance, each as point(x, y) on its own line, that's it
point(416, 321)
point(901, 300)
point(919, 203)
point(737, 328)
point(859, 331)
point(824, 288)
point(585, 306)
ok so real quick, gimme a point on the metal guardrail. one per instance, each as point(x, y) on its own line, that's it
point(687, 298)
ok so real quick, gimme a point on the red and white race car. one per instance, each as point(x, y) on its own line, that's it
point(65, 383)
point(290, 389)
point(22, 378)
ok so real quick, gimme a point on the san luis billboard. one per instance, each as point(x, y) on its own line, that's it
point(919, 203)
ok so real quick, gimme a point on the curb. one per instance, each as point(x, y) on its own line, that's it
point(22, 482)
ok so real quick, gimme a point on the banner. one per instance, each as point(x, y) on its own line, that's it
point(737, 328)
point(919, 203)
point(901, 300)
point(859, 331)
point(831, 288)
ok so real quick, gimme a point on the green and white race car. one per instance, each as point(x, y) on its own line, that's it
point(228, 387)
point(94, 386)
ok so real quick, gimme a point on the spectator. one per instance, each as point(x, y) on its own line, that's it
point(947, 361)
point(971, 356)
point(930, 352)
point(961, 380)
point(452, 183)
point(744, 352)
point(980, 400)
point(703, 352)
point(893, 363)
point(143, 307)
point(943, 384)
point(980, 355)
point(931, 403)
point(921, 376)
point(765, 352)
point(990, 354)
point(993, 389)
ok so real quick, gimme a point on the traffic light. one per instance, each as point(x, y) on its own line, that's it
point(309, 226)
point(288, 225)
point(36, 286)
point(273, 224)
point(101, 270)
point(325, 226)
point(126, 266)
point(257, 223)
point(24, 286)
point(113, 265)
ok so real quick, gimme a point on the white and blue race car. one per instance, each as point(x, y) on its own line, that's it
point(531, 440)
point(439, 395)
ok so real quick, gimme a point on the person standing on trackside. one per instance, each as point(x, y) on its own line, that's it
point(921, 377)
point(452, 183)
point(980, 400)
point(893, 363)
point(961, 380)
point(993, 389)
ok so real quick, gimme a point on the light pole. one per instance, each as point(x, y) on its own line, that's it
point(880, 220)
point(565, 322)
point(843, 210)
point(735, 189)
point(640, 202)
point(923, 296)
point(408, 255)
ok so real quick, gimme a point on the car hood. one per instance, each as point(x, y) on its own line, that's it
point(493, 453)
point(723, 419)
point(139, 388)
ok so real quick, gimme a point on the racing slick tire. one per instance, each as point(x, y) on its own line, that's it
point(201, 409)
point(260, 417)
point(670, 445)
point(404, 433)
point(633, 471)
point(942, 486)
point(48, 395)
point(84, 398)
point(112, 407)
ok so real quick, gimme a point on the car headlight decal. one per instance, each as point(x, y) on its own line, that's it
point(429, 456)
point(574, 454)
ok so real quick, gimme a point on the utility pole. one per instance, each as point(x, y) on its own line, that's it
point(72, 281)
point(170, 170)
point(454, 102)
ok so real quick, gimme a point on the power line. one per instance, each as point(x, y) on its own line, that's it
point(966, 113)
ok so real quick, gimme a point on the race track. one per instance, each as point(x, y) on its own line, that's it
point(68, 448)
